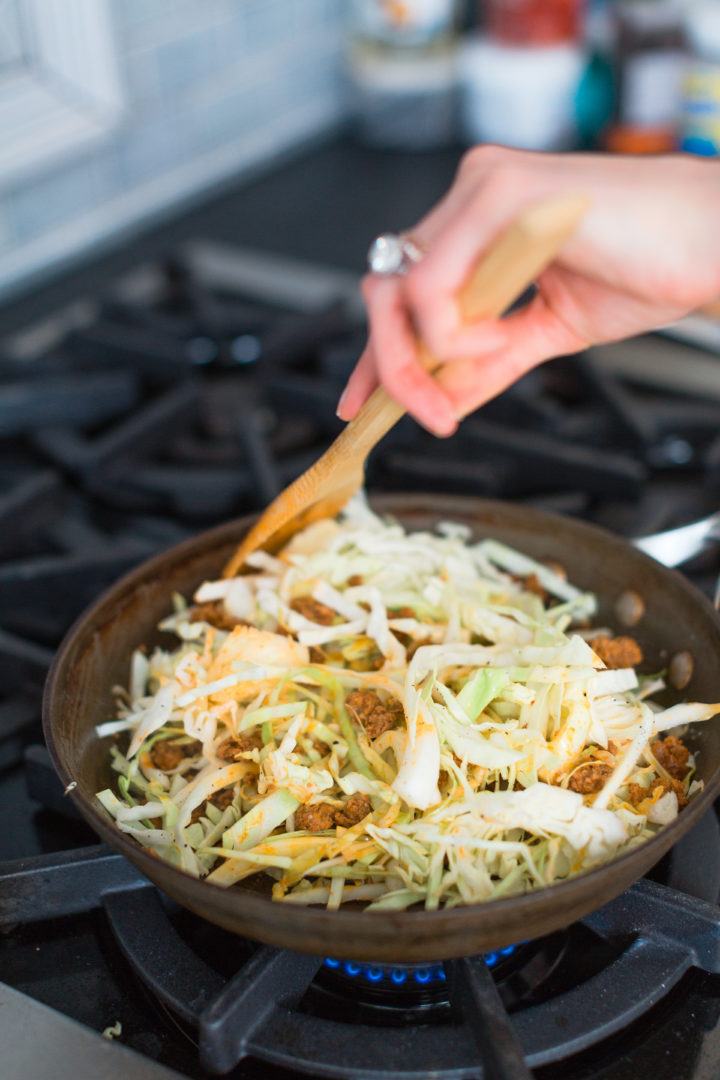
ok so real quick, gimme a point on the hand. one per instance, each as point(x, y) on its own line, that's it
point(646, 253)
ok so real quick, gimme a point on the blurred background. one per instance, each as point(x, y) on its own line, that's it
point(117, 112)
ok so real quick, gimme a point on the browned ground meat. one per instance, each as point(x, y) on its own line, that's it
point(367, 709)
point(673, 755)
point(413, 648)
point(221, 799)
point(315, 818)
point(531, 583)
point(166, 755)
point(589, 778)
point(355, 579)
point(322, 816)
point(313, 610)
point(619, 652)
point(232, 748)
point(215, 614)
point(636, 792)
point(355, 809)
point(401, 613)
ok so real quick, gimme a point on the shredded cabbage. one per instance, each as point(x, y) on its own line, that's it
point(403, 719)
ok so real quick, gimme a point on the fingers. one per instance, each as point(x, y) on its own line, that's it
point(394, 348)
point(533, 335)
point(361, 384)
point(434, 284)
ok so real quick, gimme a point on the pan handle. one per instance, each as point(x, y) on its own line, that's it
point(673, 547)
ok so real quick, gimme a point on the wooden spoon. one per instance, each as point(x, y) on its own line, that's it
point(503, 273)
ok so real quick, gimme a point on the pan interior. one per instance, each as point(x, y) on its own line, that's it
point(96, 654)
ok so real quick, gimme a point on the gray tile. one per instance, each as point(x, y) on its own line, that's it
point(315, 13)
point(133, 13)
point(152, 142)
point(185, 61)
point(141, 74)
point(67, 192)
point(268, 22)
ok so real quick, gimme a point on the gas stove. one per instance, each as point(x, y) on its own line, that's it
point(191, 391)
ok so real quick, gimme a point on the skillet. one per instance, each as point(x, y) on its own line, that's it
point(95, 656)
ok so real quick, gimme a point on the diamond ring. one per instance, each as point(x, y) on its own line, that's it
point(392, 253)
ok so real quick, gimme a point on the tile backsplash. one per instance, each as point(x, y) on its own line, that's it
point(211, 88)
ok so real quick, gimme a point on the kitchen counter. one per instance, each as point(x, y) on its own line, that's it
point(325, 205)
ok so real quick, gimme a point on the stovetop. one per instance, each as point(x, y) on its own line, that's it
point(189, 392)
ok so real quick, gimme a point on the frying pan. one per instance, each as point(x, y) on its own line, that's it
point(96, 653)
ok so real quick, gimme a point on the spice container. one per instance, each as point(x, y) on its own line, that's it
point(532, 22)
point(520, 96)
point(700, 117)
point(650, 60)
point(402, 70)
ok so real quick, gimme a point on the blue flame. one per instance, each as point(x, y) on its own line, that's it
point(402, 976)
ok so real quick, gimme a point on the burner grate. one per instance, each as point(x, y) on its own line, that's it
point(651, 936)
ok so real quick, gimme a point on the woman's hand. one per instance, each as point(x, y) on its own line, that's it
point(646, 253)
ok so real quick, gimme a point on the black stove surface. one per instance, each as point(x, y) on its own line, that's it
point(191, 392)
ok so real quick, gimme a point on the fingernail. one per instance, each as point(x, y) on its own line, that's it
point(341, 402)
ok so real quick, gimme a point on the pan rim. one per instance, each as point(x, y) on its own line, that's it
point(314, 918)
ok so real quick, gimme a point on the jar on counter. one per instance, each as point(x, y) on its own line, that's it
point(650, 62)
point(521, 96)
point(403, 74)
point(533, 22)
point(700, 118)
point(404, 23)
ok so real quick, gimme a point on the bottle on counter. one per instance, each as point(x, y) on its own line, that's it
point(650, 57)
point(520, 74)
point(403, 74)
point(700, 110)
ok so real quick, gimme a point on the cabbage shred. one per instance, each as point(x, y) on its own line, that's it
point(466, 800)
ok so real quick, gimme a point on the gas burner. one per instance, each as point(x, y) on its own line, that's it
point(400, 994)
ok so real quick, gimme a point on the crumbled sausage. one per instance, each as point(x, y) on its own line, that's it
point(315, 818)
point(366, 707)
point(313, 610)
point(636, 792)
point(673, 755)
point(221, 799)
point(531, 584)
point(215, 614)
point(619, 652)
point(167, 755)
point(355, 809)
point(589, 778)
point(232, 748)
point(318, 817)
